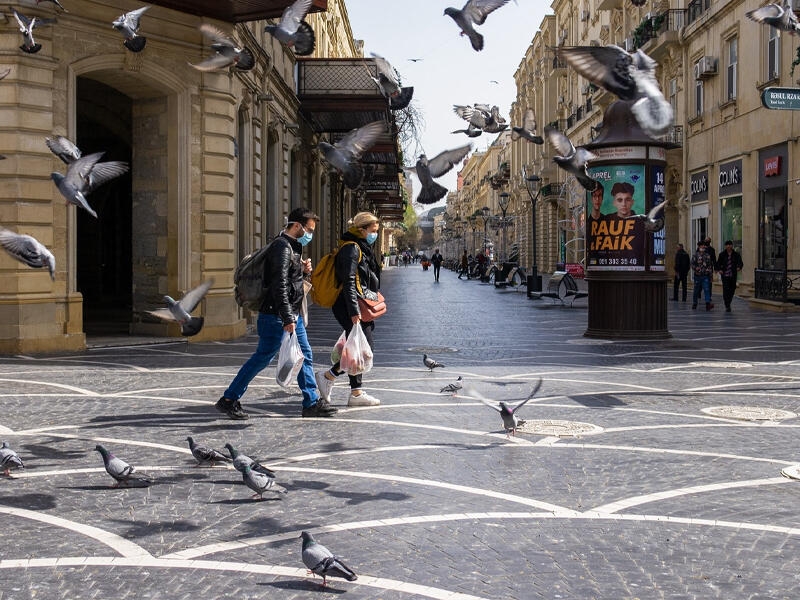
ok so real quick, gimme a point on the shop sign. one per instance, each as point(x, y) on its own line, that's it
point(698, 185)
point(730, 178)
point(772, 166)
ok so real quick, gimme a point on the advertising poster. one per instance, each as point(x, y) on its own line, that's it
point(615, 242)
point(659, 237)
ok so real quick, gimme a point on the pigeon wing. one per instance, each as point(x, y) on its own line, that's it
point(63, 148)
point(766, 14)
point(193, 297)
point(38, 22)
point(529, 121)
point(213, 63)
point(23, 247)
point(132, 17)
point(655, 210)
point(559, 141)
point(443, 162)
point(23, 21)
point(79, 171)
point(362, 139)
point(478, 10)
point(606, 66)
point(385, 69)
point(294, 14)
point(530, 397)
point(102, 172)
point(217, 35)
point(162, 313)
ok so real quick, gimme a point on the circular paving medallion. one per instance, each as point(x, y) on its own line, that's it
point(432, 349)
point(720, 364)
point(749, 413)
point(559, 428)
point(792, 472)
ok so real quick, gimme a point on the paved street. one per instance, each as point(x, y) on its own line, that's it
point(645, 470)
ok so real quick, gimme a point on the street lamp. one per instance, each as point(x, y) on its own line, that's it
point(473, 223)
point(485, 216)
point(505, 197)
point(532, 184)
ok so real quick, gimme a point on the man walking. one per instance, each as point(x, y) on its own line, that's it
point(436, 261)
point(703, 269)
point(729, 264)
point(682, 262)
point(279, 314)
point(464, 270)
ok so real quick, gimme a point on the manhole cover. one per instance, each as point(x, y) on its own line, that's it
point(792, 472)
point(432, 349)
point(720, 365)
point(749, 413)
point(559, 428)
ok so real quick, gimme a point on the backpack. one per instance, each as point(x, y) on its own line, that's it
point(326, 287)
point(248, 280)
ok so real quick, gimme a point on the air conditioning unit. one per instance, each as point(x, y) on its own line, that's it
point(584, 16)
point(705, 67)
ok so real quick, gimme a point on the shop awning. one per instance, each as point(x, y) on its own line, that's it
point(236, 11)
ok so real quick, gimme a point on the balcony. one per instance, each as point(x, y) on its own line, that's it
point(236, 11)
point(661, 32)
point(674, 137)
point(552, 190)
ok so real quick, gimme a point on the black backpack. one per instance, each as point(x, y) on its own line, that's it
point(249, 287)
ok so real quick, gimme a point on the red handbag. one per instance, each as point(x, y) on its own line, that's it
point(371, 309)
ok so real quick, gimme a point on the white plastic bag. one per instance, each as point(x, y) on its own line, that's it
point(356, 355)
point(290, 360)
point(336, 353)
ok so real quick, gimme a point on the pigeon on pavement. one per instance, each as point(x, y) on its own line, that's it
point(780, 17)
point(227, 53)
point(292, 30)
point(474, 12)
point(29, 250)
point(128, 25)
point(387, 81)
point(426, 170)
point(430, 363)
point(528, 129)
point(260, 483)
point(180, 311)
point(345, 154)
point(121, 471)
point(63, 148)
point(508, 413)
point(205, 455)
point(573, 160)
point(452, 388)
point(240, 461)
point(9, 459)
point(322, 561)
point(85, 175)
point(651, 221)
point(26, 27)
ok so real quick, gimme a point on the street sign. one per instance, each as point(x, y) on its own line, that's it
point(779, 98)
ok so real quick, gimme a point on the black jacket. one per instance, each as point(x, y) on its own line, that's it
point(283, 276)
point(735, 261)
point(682, 261)
point(437, 259)
point(348, 264)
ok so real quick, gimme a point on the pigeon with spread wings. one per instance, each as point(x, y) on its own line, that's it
point(180, 311)
point(27, 249)
point(528, 129)
point(345, 154)
point(389, 84)
point(780, 17)
point(128, 25)
point(573, 160)
point(292, 30)
point(26, 27)
point(227, 52)
point(85, 175)
point(508, 412)
point(427, 170)
point(474, 12)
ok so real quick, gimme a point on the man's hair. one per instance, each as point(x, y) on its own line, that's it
point(728, 243)
point(598, 187)
point(302, 216)
point(680, 246)
point(622, 187)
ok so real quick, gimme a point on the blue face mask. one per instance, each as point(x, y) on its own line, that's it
point(371, 237)
point(305, 238)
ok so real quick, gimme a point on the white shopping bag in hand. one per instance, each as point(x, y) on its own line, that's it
point(356, 354)
point(290, 360)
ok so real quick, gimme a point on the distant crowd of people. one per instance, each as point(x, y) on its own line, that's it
point(703, 264)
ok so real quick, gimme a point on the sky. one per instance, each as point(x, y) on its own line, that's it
point(450, 71)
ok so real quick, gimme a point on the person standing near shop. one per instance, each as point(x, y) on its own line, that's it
point(703, 270)
point(682, 264)
point(729, 263)
point(464, 270)
point(436, 261)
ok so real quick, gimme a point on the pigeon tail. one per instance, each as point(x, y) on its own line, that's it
point(31, 49)
point(192, 326)
point(402, 99)
point(353, 175)
point(654, 117)
point(333, 567)
point(305, 39)
point(476, 39)
point(245, 60)
point(136, 44)
point(431, 194)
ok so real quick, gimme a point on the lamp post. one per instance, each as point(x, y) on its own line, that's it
point(505, 197)
point(473, 223)
point(532, 184)
point(485, 216)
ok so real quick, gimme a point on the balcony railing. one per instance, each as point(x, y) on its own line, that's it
point(674, 135)
point(695, 9)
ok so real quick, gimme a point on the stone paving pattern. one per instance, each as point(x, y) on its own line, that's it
point(424, 496)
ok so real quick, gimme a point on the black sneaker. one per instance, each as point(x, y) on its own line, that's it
point(232, 408)
point(320, 409)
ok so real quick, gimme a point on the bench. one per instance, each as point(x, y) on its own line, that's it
point(561, 286)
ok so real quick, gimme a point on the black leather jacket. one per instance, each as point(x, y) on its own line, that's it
point(283, 274)
point(348, 264)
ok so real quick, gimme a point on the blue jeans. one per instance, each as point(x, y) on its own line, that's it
point(270, 333)
point(702, 282)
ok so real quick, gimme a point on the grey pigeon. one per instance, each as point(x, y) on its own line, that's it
point(63, 148)
point(345, 154)
point(121, 471)
point(56, 2)
point(780, 17)
point(481, 116)
point(227, 52)
point(9, 459)
point(205, 455)
point(528, 129)
point(292, 30)
point(85, 175)
point(29, 250)
point(426, 170)
point(26, 27)
point(474, 12)
point(630, 77)
point(652, 222)
point(470, 131)
point(260, 483)
point(128, 25)
point(452, 388)
point(573, 160)
point(398, 97)
point(508, 413)
point(322, 561)
point(431, 363)
point(180, 311)
point(240, 461)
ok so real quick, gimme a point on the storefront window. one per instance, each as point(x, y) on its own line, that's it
point(772, 253)
point(731, 216)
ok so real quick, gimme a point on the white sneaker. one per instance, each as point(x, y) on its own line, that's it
point(324, 385)
point(363, 399)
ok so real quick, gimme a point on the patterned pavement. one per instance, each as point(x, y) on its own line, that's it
point(645, 469)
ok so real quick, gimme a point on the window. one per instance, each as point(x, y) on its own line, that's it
point(772, 238)
point(698, 97)
point(733, 60)
point(773, 54)
point(731, 217)
point(673, 94)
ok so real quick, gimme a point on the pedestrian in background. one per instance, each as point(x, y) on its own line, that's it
point(729, 263)
point(464, 270)
point(703, 270)
point(436, 261)
point(713, 254)
point(682, 264)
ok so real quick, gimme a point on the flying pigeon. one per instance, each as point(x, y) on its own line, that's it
point(26, 27)
point(345, 154)
point(63, 148)
point(781, 18)
point(56, 2)
point(227, 52)
point(482, 116)
point(387, 81)
point(430, 363)
point(470, 131)
point(9, 460)
point(260, 483)
point(473, 12)
point(128, 25)
point(528, 129)
point(292, 30)
point(121, 471)
point(571, 159)
point(630, 77)
point(28, 250)
point(240, 461)
point(427, 170)
point(205, 455)
point(651, 222)
point(179, 311)
point(452, 388)
point(321, 561)
point(510, 419)
point(85, 175)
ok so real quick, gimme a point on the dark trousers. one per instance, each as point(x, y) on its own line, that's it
point(436, 268)
point(680, 280)
point(728, 289)
point(463, 271)
point(343, 318)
